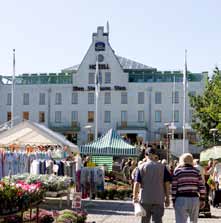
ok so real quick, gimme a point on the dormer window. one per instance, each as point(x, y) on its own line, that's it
point(100, 58)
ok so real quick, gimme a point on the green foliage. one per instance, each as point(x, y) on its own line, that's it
point(207, 110)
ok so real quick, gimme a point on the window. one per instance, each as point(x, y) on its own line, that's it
point(41, 117)
point(90, 116)
point(175, 97)
point(58, 116)
point(25, 115)
point(140, 116)
point(58, 99)
point(123, 116)
point(42, 99)
point(26, 99)
point(107, 77)
point(107, 98)
point(74, 98)
point(9, 99)
point(158, 98)
point(176, 116)
point(157, 116)
point(123, 97)
point(90, 98)
point(140, 97)
point(107, 116)
point(9, 116)
point(191, 116)
point(74, 116)
point(100, 77)
point(91, 78)
point(192, 93)
point(100, 58)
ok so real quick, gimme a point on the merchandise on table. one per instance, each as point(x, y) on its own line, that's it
point(18, 196)
point(39, 160)
point(49, 182)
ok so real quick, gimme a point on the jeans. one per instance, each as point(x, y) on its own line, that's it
point(155, 211)
point(187, 207)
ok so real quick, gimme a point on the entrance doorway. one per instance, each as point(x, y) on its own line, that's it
point(131, 138)
point(72, 137)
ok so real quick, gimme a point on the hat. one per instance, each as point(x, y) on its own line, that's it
point(150, 151)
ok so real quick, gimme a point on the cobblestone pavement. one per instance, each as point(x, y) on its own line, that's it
point(101, 211)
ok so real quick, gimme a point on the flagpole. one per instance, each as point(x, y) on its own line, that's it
point(173, 117)
point(96, 99)
point(184, 101)
point(12, 91)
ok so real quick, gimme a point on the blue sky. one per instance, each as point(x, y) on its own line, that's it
point(50, 35)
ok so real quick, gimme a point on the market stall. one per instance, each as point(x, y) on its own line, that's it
point(210, 153)
point(35, 163)
point(33, 148)
point(108, 146)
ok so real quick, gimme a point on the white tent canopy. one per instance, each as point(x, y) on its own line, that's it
point(34, 134)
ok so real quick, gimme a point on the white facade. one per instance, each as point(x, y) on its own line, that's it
point(152, 115)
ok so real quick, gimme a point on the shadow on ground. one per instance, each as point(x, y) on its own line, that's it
point(108, 207)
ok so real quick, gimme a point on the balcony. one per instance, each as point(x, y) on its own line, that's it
point(131, 126)
point(61, 127)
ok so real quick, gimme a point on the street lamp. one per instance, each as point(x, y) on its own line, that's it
point(173, 128)
point(213, 131)
point(167, 124)
point(186, 127)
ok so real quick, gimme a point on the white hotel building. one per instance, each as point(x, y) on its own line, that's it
point(135, 99)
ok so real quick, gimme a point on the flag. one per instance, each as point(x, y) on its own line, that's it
point(185, 75)
point(96, 80)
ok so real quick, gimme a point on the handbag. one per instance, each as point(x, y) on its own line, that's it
point(139, 210)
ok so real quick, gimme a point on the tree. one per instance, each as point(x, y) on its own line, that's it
point(207, 110)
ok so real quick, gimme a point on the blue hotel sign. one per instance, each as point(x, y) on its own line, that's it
point(99, 46)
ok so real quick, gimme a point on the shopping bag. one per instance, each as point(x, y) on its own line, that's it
point(211, 183)
point(139, 210)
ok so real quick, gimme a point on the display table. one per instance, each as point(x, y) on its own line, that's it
point(60, 194)
point(21, 212)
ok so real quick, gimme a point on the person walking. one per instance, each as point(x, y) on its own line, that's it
point(188, 190)
point(151, 187)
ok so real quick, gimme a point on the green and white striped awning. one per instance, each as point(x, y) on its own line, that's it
point(110, 144)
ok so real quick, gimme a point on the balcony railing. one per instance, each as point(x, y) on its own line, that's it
point(61, 127)
point(132, 125)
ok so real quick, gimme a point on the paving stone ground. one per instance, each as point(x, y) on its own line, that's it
point(102, 211)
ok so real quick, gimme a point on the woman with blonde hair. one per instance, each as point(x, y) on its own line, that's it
point(188, 190)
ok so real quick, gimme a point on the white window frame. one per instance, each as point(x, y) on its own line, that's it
point(74, 116)
point(176, 116)
point(107, 98)
point(140, 98)
point(58, 98)
point(91, 78)
point(158, 118)
point(58, 117)
point(107, 116)
point(107, 77)
point(124, 98)
point(26, 99)
point(91, 98)
point(140, 116)
point(158, 98)
point(9, 99)
point(42, 99)
point(175, 97)
point(74, 99)
point(124, 116)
